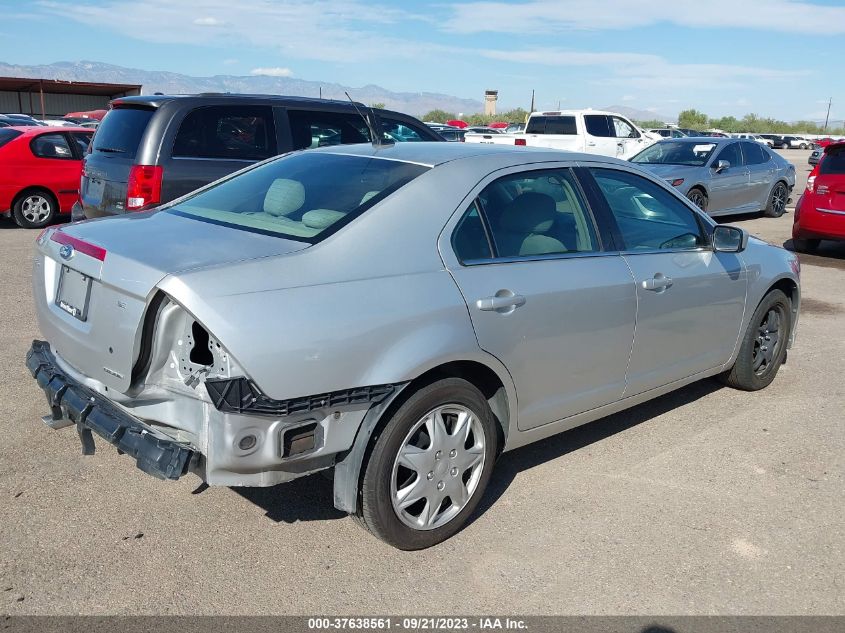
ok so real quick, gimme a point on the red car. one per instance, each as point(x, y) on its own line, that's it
point(40, 169)
point(820, 212)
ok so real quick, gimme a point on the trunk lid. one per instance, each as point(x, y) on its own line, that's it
point(92, 282)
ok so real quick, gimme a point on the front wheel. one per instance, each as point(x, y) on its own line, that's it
point(698, 198)
point(763, 346)
point(429, 466)
point(777, 201)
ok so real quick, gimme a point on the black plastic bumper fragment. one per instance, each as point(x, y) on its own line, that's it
point(161, 457)
point(239, 395)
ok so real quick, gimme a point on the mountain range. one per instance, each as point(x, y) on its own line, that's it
point(415, 103)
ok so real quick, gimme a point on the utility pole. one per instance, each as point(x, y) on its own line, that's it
point(532, 102)
point(827, 118)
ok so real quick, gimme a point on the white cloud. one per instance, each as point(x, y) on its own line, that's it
point(272, 72)
point(548, 16)
point(344, 31)
point(208, 22)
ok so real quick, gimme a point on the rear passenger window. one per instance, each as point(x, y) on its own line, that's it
point(754, 153)
point(598, 125)
point(537, 213)
point(561, 125)
point(311, 129)
point(51, 146)
point(402, 132)
point(833, 163)
point(227, 132)
point(470, 238)
point(536, 125)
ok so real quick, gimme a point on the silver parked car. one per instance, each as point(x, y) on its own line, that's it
point(722, 175)
point(402, 315)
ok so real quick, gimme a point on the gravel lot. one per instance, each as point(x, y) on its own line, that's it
point(705, 501)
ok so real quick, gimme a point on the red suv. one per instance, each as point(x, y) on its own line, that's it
point(40, 169)
point(820, 212)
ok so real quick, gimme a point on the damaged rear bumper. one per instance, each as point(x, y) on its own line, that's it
point(72, 403)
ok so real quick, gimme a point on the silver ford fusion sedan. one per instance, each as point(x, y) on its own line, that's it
point(723, 176)
point(401, 314)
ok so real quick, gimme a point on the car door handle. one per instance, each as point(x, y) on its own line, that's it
point(489, 304)
point(658, 283)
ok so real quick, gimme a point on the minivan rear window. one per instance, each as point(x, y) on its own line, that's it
point(121, 130)
point(305, 196)
point(7, 135)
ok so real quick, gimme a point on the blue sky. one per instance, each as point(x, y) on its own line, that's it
point(780, 58)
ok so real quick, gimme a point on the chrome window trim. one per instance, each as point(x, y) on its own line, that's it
point(537, 258)
point(228, 160)
point(820, 210)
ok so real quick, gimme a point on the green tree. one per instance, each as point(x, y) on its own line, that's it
point(438, 116)
point(693, 119)
point(650, 124)
point(378, 105)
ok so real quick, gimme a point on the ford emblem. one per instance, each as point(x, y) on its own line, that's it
point(66, 251)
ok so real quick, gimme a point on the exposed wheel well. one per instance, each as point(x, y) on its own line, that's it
point(790, 289)
point(33, 188)
point(484, 378)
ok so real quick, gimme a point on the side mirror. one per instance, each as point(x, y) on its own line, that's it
point(729, 239)
point(722, 165)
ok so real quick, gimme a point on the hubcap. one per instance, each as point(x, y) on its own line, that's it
point(438, 467)
point(35, 208)
point(768, 341)
point(779, 199)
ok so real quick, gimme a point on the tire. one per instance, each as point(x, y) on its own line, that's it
point(698, 197)
point(756, 366)
point(777, 201)
point(35, 209)
point(802, 146)
point(802, 245)
point(453, 469)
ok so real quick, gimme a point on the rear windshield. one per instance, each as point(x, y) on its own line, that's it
point(833, 162)
point(676, 153)
point(305, 196)
point(7, 135)
point(121, 130)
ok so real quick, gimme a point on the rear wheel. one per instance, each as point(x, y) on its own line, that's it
point(698, 197)
point(429, 466)
point(777, 201)
point(35, 209)
point(805, 245)
point(763, 346)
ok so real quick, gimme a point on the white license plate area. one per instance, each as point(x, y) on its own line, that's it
point(74, 293)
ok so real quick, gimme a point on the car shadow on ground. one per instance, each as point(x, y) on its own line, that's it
point(512, 463)
point(828, 255)
point(310, 498)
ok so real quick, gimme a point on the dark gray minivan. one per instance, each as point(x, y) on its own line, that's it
point(152, 149)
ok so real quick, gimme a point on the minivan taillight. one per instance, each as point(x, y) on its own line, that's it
point(144, 187)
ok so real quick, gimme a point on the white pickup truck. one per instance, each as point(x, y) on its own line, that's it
point(589, 131)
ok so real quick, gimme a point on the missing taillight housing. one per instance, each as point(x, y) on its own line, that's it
point(811, 181)
point(144, 186)
point(200, 352)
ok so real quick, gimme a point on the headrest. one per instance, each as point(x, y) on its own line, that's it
point(321, 218)
point(529, 213)
point(284, 197)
